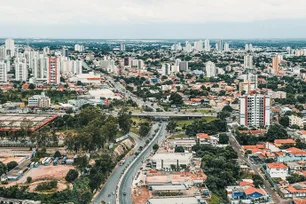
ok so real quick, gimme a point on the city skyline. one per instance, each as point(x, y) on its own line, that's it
point(153, 19)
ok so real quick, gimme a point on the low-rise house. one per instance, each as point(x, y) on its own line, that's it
point(203, 138)
point(296, 190)
point(280, 142)
point(166, 160)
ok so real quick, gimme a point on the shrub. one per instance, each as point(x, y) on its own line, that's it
point(72, 175)
point(29, 179)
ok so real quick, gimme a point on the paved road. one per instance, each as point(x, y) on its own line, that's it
point(112, 182)
point(275, 197)
point(127, 180)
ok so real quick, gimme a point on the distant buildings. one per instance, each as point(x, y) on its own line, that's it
point(122, 47)
point(255, 110)
point(248, 47)
point(219, 45)
point(226, 47)
point(248, 62)
point(275, 63)
point(79, 48)
point(210, 69)
point(207, 46)
point(10, 47)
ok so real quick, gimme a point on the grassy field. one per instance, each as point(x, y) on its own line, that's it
point(177, 136)
point(138, 121)
point(181, 123)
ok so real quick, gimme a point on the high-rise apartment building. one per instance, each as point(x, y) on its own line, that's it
point(198, 45)
point(79, 48)
point(210, 69)
point(122, 47)
point(10, 47)
point(226, 47)
point(220, 45)
point(53, 71)
point(207, 45)
point(183, 66)
point(275, 64)
point(248, 62)
point(255, 110)
point(40, 67)
point(3, 72)
point(21, 70)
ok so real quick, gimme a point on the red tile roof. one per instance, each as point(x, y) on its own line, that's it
point(277, 166)
point(284, 141)
point(203, 136)
point(251, 190)
point(245, 183)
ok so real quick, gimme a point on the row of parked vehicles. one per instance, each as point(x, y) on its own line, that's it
point(48, 160)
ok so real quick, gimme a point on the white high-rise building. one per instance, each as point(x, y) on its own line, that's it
point(3, 72)
point(21, 70)
point(188, 47)
point(79, 48)
point(166, 69)
point(255, 110)
point(246, 47)
point(198, 45)
point(219, 46)
point(40, 67)
point(207, 45)
point(122, 47)
point(10, 47)
point(2, 53)
point(183, 66)
point(226, 47)
point(53, 71)
point(210, 69)
point(251, 47)
point(46, 51)
point(248, 62)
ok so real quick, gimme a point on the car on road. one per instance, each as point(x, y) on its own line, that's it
point(113, 192)
point(124, 193)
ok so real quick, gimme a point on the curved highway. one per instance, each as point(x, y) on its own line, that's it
point(126, 184)
point(107, 193)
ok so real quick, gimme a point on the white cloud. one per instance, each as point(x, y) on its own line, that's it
point(116, 12)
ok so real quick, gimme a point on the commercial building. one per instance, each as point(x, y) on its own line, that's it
point(53, 71)
point(294, 120)
point(210, 69)
point(39, 101)
point(277, 170)
point(254, 110)
point(187, 200)
point(165, 160)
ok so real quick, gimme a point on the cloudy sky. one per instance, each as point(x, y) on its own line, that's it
point(153, 18)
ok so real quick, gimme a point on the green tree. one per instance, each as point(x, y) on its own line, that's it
point(32, 86)
point(276, 132)
point(284, 121)
point(179, 149)
point(176, 99)
point(227, 108)
point(81, 163)
point(29, 179)
point(11, 165)
point(124, 120)
point(57, 154)
point(71, 175)
point(171, 126)
point(223, 138)
point(144, 129)
point(3, 168)
point(155, 147)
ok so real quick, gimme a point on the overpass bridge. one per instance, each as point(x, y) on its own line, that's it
point(174, 114)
